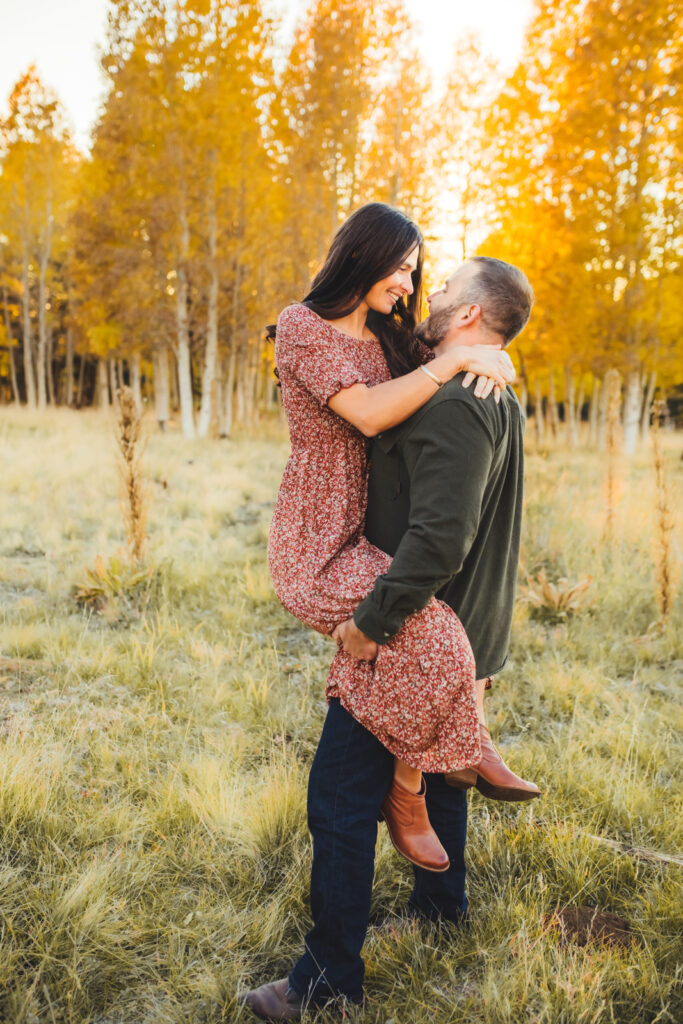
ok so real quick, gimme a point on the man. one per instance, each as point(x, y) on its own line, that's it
point(445, 500)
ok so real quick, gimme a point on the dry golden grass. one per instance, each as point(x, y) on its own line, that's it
point(154, 849)
point(134, 494)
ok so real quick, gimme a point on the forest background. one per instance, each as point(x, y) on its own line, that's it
point(219, 171)
point(159, 709)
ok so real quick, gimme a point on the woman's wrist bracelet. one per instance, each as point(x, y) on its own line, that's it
point(432, 376)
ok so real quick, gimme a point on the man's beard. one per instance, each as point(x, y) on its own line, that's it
point(435, 327)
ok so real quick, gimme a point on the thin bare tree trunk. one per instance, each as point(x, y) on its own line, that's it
point(10, 349)
point(229, 397)
point(647, 405)
point(135, 380)
point(42, 310)
point(593, 413)
point(632, 400)
point(523, 395)
point(602, 416)
point(552, 404)
point(580, 398)
point(569, 409)
point(113, 388)
point(173, 380)
point(211, 350)
point(539, 418)
point(69, 367)
point(231, 376)
point(161, 386)
point(81, 377)
point(49, 368)
point(29, 376)
point(102, 384)
point(216, 407)
point(240, 397)
point(183, 334)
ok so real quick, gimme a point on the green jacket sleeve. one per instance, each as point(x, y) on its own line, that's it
point(448, 455)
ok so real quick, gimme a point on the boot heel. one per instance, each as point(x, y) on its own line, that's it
point(466, 778)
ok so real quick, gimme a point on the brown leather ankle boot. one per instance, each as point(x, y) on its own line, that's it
point(493, 777)
point(409, 829)
point(275, 1001)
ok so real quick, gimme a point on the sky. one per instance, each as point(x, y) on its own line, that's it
point(61, 37)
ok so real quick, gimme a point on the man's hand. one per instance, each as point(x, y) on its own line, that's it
point(354, 642)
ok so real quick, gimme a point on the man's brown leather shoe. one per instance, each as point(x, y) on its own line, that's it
point(275, 1001)
point(409, 829)
point(491, 776)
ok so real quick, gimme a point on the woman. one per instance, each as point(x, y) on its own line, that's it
point(350, 368)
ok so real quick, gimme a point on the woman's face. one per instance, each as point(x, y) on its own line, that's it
point(385, 294)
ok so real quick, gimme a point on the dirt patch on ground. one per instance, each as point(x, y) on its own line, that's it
point(583, 925)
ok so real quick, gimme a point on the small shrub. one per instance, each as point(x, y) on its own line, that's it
point(554, 601)
point(115, 589)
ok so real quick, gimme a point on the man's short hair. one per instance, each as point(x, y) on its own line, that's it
point(503, 294)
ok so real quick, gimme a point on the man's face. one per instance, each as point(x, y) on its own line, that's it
point(443, 305)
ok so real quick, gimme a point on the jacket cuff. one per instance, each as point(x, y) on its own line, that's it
point(372, 623)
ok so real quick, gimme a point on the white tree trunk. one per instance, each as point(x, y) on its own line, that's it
point(161, 386)
point(183, 336)
point(69, 368)
point(569, 407)
point(113, 387)
point(231, 376)
point(49, 368)
point(229, 392)
point(29, 376)
point(593, 413)
point(647, 405)
point(102, 383)
point(211, 351)
point(602, 416)
point(523, 395)
point(42, 310)
point(553, 419)
point(184, 376)
point(539, 419)
point(632, 400)
point(135, 380)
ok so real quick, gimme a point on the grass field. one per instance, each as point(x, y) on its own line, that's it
point(153, 757)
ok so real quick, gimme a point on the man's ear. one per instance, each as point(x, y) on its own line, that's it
point(470, 314)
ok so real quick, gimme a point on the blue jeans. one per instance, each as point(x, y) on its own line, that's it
point(350, 776)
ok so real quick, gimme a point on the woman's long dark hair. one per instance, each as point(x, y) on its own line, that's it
point(369, 246)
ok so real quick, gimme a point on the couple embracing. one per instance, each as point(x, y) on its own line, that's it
point(405, 550)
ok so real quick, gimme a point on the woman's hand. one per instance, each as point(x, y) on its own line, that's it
point(484, 386)
point(355, 642)
point(489, 363)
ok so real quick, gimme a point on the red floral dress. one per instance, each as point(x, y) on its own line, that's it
point(417, 697)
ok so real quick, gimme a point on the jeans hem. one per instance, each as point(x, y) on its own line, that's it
point(461, 920)
point(321, 995)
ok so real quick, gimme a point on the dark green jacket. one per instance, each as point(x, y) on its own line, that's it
point(445, 499)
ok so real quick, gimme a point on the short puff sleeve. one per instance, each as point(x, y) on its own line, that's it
point(320, 358)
